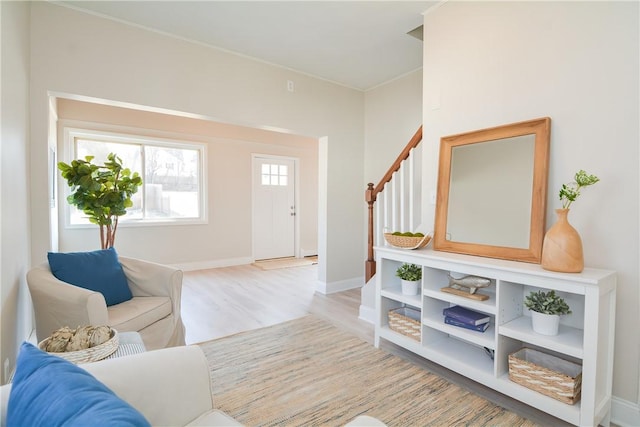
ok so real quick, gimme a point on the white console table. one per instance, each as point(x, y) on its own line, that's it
point(586, 336)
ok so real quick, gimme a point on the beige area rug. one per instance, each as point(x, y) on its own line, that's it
point(274, 264)
point(306, 372)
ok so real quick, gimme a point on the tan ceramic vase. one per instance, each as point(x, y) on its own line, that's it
point(562, 246)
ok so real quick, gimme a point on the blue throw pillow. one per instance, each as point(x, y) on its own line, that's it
point(50, 391)
point(98, 271)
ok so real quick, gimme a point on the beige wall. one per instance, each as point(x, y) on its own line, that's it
point(226, 238)
point(80, 54)
point(393, 114)
point(492, 63)
point(15, 312)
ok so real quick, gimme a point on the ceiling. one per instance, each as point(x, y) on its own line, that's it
point(359, 44)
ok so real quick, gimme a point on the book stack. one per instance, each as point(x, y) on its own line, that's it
point(465, 318)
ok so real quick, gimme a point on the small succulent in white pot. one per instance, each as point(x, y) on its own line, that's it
point(546, 309)
point(410, 275)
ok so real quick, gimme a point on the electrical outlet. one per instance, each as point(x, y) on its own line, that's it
point(290, 86)
point(7, 365)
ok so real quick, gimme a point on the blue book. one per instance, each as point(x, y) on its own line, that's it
point(465, 315)
point(481, 327)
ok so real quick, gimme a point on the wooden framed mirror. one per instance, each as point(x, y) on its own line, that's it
point(492, 191)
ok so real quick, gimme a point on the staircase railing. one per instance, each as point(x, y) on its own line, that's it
point(402, 217)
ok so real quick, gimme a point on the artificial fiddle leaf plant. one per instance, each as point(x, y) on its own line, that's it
point(102, 192)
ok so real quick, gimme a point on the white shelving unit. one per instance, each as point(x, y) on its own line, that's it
point(585, 337)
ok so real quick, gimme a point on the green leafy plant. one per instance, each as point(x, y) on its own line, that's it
point(407, 234)
point(570, 192)
point(546, 303)
point(102, 192)
point(410, 272)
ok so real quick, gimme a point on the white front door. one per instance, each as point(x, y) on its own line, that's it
point(274, 207)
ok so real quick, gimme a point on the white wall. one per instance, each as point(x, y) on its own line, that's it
point(14, 202)
point(76, 53)
point(226, 238)
point(493, 63)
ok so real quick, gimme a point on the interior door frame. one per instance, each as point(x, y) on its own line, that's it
point(296, 199)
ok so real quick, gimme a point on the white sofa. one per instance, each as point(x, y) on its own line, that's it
point(170, 387)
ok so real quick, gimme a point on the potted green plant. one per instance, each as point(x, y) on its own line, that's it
point(102, 192)
point(546, 309)
point(410, 276)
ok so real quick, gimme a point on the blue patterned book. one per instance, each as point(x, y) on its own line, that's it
point(481, 327)
point(465, 315)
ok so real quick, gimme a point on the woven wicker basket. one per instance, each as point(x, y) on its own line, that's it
point(406, 242)
point(405, 321)
point(546, 374)
point(91, 354)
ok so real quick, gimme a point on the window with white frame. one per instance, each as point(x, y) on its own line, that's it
point(173, 174)
point(274, 174)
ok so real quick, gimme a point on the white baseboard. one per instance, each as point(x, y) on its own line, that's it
point(339, 286)
point(625, 413)
point(368, 314)
point(308, 252)
point(204, 265)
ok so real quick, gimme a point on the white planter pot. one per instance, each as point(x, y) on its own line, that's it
point(410, 287)
point(545, 324)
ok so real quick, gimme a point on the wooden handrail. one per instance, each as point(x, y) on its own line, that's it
point(372, 192)
point(413, 143)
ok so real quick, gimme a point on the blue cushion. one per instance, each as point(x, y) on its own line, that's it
point(50, 391)
point(98, 271)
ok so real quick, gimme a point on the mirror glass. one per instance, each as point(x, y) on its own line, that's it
point(492, 191)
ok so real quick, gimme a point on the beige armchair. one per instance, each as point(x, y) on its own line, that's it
point(154, 310)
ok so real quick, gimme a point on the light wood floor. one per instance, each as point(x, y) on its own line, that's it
point(224, 301)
